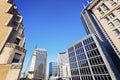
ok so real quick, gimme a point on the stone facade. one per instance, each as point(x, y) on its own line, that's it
point(107, 13)
point(12, 40)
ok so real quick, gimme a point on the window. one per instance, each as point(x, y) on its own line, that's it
point(118, 9)
point(16, 58)
point(78, 45)
point(100, 11)
point(112, 15)
point(112, 2)
point(111, 25)
point(70, 49)
point(117, 21)
point(14, 23)
point(17, 18)
point(116, 31)
point(17, 41)
point(105, 7)
point(107, 19)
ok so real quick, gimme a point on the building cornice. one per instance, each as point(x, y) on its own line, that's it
point(93, 4)
point(12, 45)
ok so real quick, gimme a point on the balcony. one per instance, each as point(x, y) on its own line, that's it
point(12, 45)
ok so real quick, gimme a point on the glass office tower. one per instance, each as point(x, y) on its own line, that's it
point(90, 61)
point(38, 65)
point(41, 64)
point(53, 71)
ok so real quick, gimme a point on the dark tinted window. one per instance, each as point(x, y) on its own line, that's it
point(16, 58)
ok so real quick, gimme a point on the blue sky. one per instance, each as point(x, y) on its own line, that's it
point(51, 24)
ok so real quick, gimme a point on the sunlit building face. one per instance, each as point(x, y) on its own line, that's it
point(88, 59)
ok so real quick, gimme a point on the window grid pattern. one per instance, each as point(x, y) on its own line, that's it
point(103, 9)
point(82, 70)
point(112, 2)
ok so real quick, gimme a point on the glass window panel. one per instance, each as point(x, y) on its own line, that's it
point(117, 21)
point(116, 31)
point(78, 45)
point(70, 49)
point(100, 11)
point(107, 19)
point(16, 58)
point(104, 7)
point(112, 15)
point(17, 41)
point(112, 2)
point(111, 25)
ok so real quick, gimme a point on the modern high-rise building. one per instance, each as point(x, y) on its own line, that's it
point(64, 67)
point(53, 71)
point(38, 65)
point(89, 60)
point(12, 41)
point(104, 15)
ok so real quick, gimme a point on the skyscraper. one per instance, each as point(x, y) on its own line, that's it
point(96, 17)
point(38, 65)
point(106, 14)
point(91, 25)
point(12, 41)
point(63, 62)
point(53, 71)
point(89, 60)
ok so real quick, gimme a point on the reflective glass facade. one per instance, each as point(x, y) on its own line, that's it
point(53, 69)
point(40, 64)
point(88, 62)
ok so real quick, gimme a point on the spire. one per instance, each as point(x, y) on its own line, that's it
point(36, 46)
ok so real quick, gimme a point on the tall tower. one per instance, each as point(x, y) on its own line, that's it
point(101, 18)
point(106, 14)
point(38, 65)
point(12, 41)
point(53, 71)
